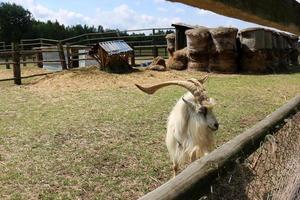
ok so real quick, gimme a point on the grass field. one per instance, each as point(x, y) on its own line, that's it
point(85, 134)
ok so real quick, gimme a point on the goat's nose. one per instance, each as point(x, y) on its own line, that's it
point(216, 125)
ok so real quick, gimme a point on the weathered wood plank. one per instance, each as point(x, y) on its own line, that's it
point(197, 177)
point(283, 15)
point(62, 56)
point(16, 65)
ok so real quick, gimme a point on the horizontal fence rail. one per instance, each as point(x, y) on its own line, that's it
point(137, 40)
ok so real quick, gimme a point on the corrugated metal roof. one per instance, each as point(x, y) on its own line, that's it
point(115, 47)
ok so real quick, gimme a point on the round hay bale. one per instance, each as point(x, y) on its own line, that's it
point(252, 39)
point(170, 43)
point(254, 62)
point(179, 60)
point(285, 40)
point(294, 57)
point(202, 58)
point(197, 39)
point(197, 66)
point(280, 41)
point(275, 41)
point(294, 41)
point(198, 56)
point(223, 38)
point(223, 62)
point(293, 51)
point(268, 39)
point(284, 50)
point(275, 49)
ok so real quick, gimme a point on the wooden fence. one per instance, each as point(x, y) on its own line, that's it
point(17, 55)
point(145, 48)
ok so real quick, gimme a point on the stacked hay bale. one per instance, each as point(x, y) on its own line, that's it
point(275, 49)
point(198, 42)
point(293, 41)
point(223, 51)
point(284, 54)
point(253, 56)
point(170, 43)
point(280, 43)
point(178, 61)
point(268, 51)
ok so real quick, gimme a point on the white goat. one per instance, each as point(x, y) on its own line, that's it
point(190, 124)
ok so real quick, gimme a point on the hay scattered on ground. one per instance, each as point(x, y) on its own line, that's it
point(94, 79)
point(179, 60)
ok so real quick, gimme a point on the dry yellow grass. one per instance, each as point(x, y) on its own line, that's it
point(87, 134)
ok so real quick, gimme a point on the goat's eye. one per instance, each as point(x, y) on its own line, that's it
point(203, 110)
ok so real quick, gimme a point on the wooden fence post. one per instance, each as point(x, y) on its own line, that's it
point(132, 59)
point(16, 65)
point(154, 48)
point(70, 63)
point(23, 56)
point(62, 56)
point(6, 57)
point(39, 57)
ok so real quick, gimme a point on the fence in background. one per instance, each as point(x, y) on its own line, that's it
point(30, 51)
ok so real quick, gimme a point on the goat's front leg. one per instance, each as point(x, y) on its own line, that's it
point(175, 168)
point(194, 155)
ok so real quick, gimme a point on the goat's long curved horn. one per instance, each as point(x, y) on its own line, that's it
point(192, 85)
point(152, 89)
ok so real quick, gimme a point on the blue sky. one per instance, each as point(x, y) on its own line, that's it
point(126, 14)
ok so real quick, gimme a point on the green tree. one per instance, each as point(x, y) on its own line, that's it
point(15, 21)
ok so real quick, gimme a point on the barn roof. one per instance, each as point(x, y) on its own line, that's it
point(115, 47)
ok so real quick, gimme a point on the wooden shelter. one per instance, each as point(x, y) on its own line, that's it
point(113, 56)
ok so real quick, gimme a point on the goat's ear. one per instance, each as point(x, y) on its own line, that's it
point(204, 79)
point(190, 104)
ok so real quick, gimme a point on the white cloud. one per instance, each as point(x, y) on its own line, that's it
point(162, 9)
point(43, 13)
point(202, 12)
point(179, 10)
point(159, 1)
point(121, 17)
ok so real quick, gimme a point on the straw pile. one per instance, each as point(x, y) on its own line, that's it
point(179, 60)
point(223, 52)
point(170, 43)
point(198, 42)
point(158, 64)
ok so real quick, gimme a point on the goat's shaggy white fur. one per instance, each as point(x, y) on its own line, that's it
point(189, 133)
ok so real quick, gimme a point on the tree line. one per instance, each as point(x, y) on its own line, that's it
point(17, 23)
